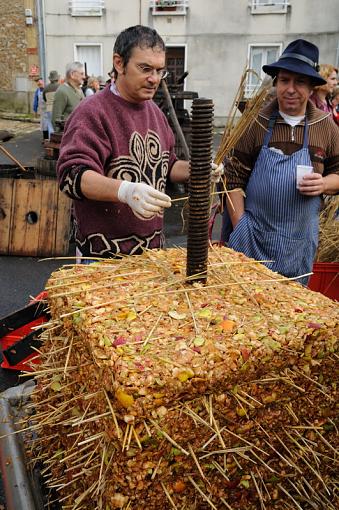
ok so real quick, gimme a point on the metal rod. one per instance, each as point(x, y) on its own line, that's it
point(17, 487)
point(199, 190)
point(9, 155)
point(174, 119)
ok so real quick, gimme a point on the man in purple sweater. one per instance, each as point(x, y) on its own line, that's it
point(117, 153)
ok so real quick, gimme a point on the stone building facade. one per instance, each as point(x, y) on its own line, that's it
point(19, 55)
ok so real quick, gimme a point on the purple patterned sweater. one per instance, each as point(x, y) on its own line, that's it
point(122, 140)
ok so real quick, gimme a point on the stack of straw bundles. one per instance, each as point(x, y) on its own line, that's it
point(155, 393)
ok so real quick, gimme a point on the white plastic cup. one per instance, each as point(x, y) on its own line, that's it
point(301, 171)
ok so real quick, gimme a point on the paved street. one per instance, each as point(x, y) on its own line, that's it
point(18, 127)
point(26, 144)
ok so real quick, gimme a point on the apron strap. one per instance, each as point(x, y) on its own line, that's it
point(305, 144)
point(271, 124)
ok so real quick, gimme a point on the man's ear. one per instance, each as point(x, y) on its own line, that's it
point(118, 63)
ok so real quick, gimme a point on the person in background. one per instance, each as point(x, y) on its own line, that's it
point(48, 96)
point(102, 82)
point(117, 153)
point(335, 105)
point(110, 79)
point(39, 107)
point(93, 86)
point(278, 222)
point(69, 94)
point(321, 95)
point(37, 95)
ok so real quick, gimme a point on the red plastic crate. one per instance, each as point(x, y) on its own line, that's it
point(325, 279)
point(17, 335)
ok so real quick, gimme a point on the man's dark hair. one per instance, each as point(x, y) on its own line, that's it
point(136, 36)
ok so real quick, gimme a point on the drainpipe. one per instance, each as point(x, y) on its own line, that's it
point(41, 34)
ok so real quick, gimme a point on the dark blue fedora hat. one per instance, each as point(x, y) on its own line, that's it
point(299, 57)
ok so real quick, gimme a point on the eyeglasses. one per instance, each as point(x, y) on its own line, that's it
point(148, 71)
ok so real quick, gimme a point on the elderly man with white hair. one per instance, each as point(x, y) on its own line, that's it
point(69, 94)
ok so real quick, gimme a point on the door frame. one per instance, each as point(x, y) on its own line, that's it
point(180, 45)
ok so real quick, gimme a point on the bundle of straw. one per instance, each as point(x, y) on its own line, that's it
point(236, 126)
point(328, 248)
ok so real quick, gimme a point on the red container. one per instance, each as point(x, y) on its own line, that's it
point(17, 335)
point(325, 279)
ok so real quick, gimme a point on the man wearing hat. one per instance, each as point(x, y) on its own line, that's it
point(278, 220)
point(48, 95)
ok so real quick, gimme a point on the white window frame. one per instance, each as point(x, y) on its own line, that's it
point(269, 6)
point(100, 45)
point(86, 7)
point(167, 6)
point(249, 89)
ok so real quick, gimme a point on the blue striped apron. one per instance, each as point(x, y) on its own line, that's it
point(279, 224)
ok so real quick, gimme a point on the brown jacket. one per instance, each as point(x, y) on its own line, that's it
point(323, 143)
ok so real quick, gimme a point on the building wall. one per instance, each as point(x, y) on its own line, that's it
point(216, 35)
point(19, 58)
point(64, 31)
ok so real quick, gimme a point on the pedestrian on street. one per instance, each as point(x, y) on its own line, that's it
point(335, 105)
point(37, 95)
point(93, 86)
point(321, 95)
point(117, 153)
point(48, 96)
point(39, 107)
point(69, 94)
point(278, 221)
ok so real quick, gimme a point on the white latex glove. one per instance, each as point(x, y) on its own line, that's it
point(142, 198)
point(217, 171)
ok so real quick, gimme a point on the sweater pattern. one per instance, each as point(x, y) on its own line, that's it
point(145, 163)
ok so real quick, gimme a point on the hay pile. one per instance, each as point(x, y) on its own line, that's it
point(328, 248)
point(158, 394)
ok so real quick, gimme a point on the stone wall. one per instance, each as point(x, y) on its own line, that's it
point(19, 56)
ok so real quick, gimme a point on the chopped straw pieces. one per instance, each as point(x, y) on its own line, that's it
point(155, 393)
point(328, 248)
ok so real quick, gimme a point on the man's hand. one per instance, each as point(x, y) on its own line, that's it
point(142, 198)
point(312, 185)
point(217, 171)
